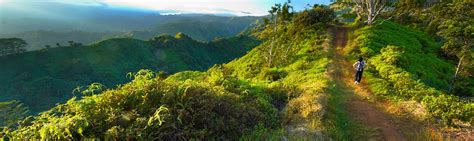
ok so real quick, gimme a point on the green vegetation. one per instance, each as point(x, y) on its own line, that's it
point(11, 112)
point(403, 63)
point(452, 22)
point(11, 46)
point(245, 96)
point(281, 89)
point(40, 79)
point(152, 108)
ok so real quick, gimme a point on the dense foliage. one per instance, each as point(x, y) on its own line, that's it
point(450, 21)
point(403, 62)
point(152, 108)
point(244, 97)
point(40, 79)
point(11, 112)
point(279, 88)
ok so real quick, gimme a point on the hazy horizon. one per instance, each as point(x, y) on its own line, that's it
point(223, 7)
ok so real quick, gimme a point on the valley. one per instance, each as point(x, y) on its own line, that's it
point(286, 74)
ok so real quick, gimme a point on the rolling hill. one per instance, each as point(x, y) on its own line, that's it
point(297, 84)
point(245, 99)
point(205, 29)
point(52, 74)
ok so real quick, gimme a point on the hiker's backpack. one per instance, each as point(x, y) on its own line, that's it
point(360, 66)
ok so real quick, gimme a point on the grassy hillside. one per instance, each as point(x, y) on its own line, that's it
point(40, 79)
point(245, 99)
point(285, 88)
point(404, 63)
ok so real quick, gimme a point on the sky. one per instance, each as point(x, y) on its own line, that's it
point(230, 7)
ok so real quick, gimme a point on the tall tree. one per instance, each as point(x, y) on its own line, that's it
point(455, 23)
point(280, 17)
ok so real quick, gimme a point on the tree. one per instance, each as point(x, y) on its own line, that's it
point(455, 23)
point(12, 46)
point(369, 8)
point(413, 12)
point(317, 14)
point(280, 17)
point(283, 34)
point(282, 13)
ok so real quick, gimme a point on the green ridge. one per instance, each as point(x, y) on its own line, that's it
point(40, 79)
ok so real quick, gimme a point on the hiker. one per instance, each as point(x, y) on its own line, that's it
point(359, 66)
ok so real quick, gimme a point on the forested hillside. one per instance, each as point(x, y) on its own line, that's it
point(293, 79)
point(40, 79)
point(248, 96)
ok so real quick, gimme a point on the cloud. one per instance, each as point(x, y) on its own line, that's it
point(227, 7)
point(235, 7)
point(248, 13)
point(193, 6)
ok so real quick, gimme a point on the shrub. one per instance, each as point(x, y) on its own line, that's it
point(227, 101)
point(272, 74)
point(152, 108)
point(403, 63)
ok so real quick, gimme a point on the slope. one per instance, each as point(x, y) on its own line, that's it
point(280, 90)
point(43, 78)
point(403, 64)
point(247, 98)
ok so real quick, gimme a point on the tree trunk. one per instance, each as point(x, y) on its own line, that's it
point(371, 11)
point(459, 67)
point(456, 74)
point(270, 53)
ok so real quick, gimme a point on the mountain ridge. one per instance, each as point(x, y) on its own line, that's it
point(57, 71)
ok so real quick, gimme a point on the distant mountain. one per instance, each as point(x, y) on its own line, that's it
point(52, 74)
point(48, 23)
point(16, 17)
point(205, 28)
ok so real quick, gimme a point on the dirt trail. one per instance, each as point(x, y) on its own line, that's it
point(359, 110)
